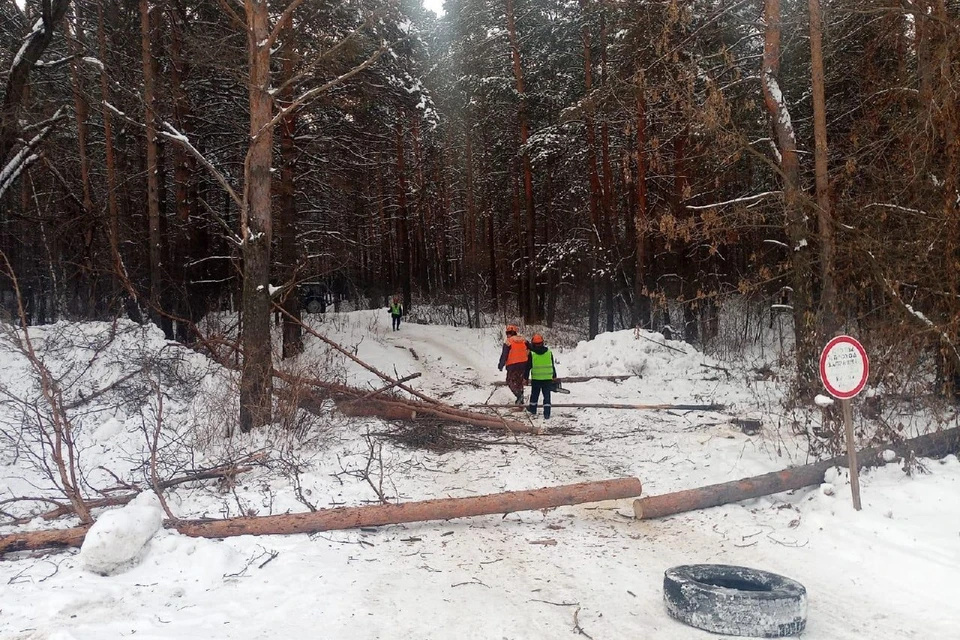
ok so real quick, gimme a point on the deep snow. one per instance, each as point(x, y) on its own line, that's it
point(885, 572)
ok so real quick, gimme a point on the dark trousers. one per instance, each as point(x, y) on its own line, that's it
point(515, 379)
point(536, 386)
point(396, 322)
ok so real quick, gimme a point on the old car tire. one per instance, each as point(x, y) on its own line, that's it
point(314, 306)
point(735, 600)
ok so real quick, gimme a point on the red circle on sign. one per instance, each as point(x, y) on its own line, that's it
point(862, 379)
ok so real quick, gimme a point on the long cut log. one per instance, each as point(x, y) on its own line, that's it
point(351, 402)
point(683, 407)
point(502, 383)
point(931, 445)
point(354, 517)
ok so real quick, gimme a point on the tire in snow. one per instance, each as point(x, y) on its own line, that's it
point(735, 600)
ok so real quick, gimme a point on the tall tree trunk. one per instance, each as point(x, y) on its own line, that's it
point(531, 218)
point(472, 268)
point(154, 238)
point(286, 227)
point(186, 304)
point(592, 170)
point(82, 113)
point(403, 231)
point(609, 239)
point(120, 277)
point(256, 385)
point(828, 294)
point(641, 301)
point(795, 220)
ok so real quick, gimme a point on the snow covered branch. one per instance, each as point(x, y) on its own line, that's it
point(278, 27)
point(34, 44)
point(316, 91)
point(752, 198)
point(25, 156)
point(171, 133)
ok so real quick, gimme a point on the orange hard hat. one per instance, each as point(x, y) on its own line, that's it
point(513, 328)
point(537, 339)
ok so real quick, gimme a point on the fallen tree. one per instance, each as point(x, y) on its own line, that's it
point(931, 445)
point(501, 383)
point(682, 407)
point(355, 517)
point(359, 403)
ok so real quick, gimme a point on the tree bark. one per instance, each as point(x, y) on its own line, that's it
point(256, 384)
point(472, 266)
point(795, 223)
point(82, 114)
point(403, 222)
point(828, 288)
point(529, 245)
point(641, 301)
point(930, 445)
point(595, 187)
point(154, 239)
point(287, 228)
point(121, 278)
point(356, 517)
point(608, 236)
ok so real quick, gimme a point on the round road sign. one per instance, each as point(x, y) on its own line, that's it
point(844, 367)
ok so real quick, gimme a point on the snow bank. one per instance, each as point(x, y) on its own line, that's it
point(629, 353)
point(117, 539)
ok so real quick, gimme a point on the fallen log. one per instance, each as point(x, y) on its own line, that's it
point(681, 407)
point(411, 410)
point(931, 445)
point(352, 402)
point(502, 383)
point(352, 357)
point(355, 517)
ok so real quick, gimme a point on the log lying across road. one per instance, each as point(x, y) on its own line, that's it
point(355, 517)
point(501, 383)
point(357, 403)
point(679, 407)
point(931, 445)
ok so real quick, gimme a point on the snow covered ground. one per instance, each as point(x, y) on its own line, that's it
point(888, 571)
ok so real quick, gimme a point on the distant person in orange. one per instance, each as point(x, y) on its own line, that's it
point(514, 357)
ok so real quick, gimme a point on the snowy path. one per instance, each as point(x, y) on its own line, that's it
point(885, 573)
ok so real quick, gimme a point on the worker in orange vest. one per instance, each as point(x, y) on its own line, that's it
point(514, 357)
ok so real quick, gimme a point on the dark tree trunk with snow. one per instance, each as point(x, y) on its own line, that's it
point(795, 218)
point(286, 223)
point(828, 287)
point(530, 221)
point(148, 23)
point(256, 383)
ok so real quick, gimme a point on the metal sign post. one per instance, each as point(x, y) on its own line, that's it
point(844, 368)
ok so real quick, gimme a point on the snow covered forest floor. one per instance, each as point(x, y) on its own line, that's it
point(591, 570)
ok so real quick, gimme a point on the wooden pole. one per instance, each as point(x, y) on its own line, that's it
point(851, 453)
point(682, 407)
point(501, 383)
point(930, 445)
point(355, 517)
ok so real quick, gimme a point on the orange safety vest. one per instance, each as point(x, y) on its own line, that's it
point(518, 350)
